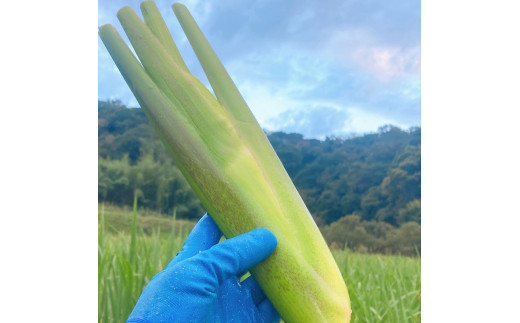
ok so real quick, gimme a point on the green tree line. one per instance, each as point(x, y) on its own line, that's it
point(374, 179)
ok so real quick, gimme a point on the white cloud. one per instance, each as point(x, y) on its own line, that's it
point(275, 81)
point(386, 63)
point(265, 103)
point(360, 48)
point(362, 121)
point(316, 121)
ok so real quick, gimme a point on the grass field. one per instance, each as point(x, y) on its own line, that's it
point(132, 249)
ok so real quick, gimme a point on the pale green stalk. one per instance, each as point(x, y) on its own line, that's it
point(208, 117)
point(228, 95)
point(169, 121)
point(240, 184)
point(154, 21)
point(133, 239)
point(290, 201)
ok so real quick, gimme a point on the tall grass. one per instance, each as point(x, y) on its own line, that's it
point(382, 288)
point(127, 262)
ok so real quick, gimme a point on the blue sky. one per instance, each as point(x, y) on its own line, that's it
point(319, 68)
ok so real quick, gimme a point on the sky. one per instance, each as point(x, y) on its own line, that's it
point(319, 68)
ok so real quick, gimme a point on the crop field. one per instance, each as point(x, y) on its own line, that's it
point(132, 248)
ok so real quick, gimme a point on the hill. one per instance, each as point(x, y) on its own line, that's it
point(376, 176)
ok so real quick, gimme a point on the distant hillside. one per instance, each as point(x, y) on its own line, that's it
point(375, 176)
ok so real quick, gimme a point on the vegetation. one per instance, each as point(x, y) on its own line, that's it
point(374, 236)
point(382, 288)
point(128, 258)
point(370, 183)
point(376, 176)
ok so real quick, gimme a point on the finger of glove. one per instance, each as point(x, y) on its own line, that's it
point(234, 256)
point(268, 312)
point(250, 284)
point(204, 235)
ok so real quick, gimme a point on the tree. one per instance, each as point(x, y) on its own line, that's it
point(375, 176)
point(412, 212)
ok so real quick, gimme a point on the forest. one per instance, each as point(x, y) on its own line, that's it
point(364, 192)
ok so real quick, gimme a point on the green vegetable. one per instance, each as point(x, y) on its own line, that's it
point(227, 159)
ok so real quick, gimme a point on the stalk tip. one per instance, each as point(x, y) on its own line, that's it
point(104, 28)
point(147, 3)
point(178, 6)
point(123, 10)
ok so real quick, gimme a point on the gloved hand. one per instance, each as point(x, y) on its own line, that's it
point(201, 284)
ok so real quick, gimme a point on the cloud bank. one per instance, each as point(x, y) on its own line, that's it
point(317, 68)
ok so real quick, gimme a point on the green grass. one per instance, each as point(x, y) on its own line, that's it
point(381, 288)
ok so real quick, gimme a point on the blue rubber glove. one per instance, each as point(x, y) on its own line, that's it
point(201, 284)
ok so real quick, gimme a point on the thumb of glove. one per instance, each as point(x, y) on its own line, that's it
point(232, 257)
